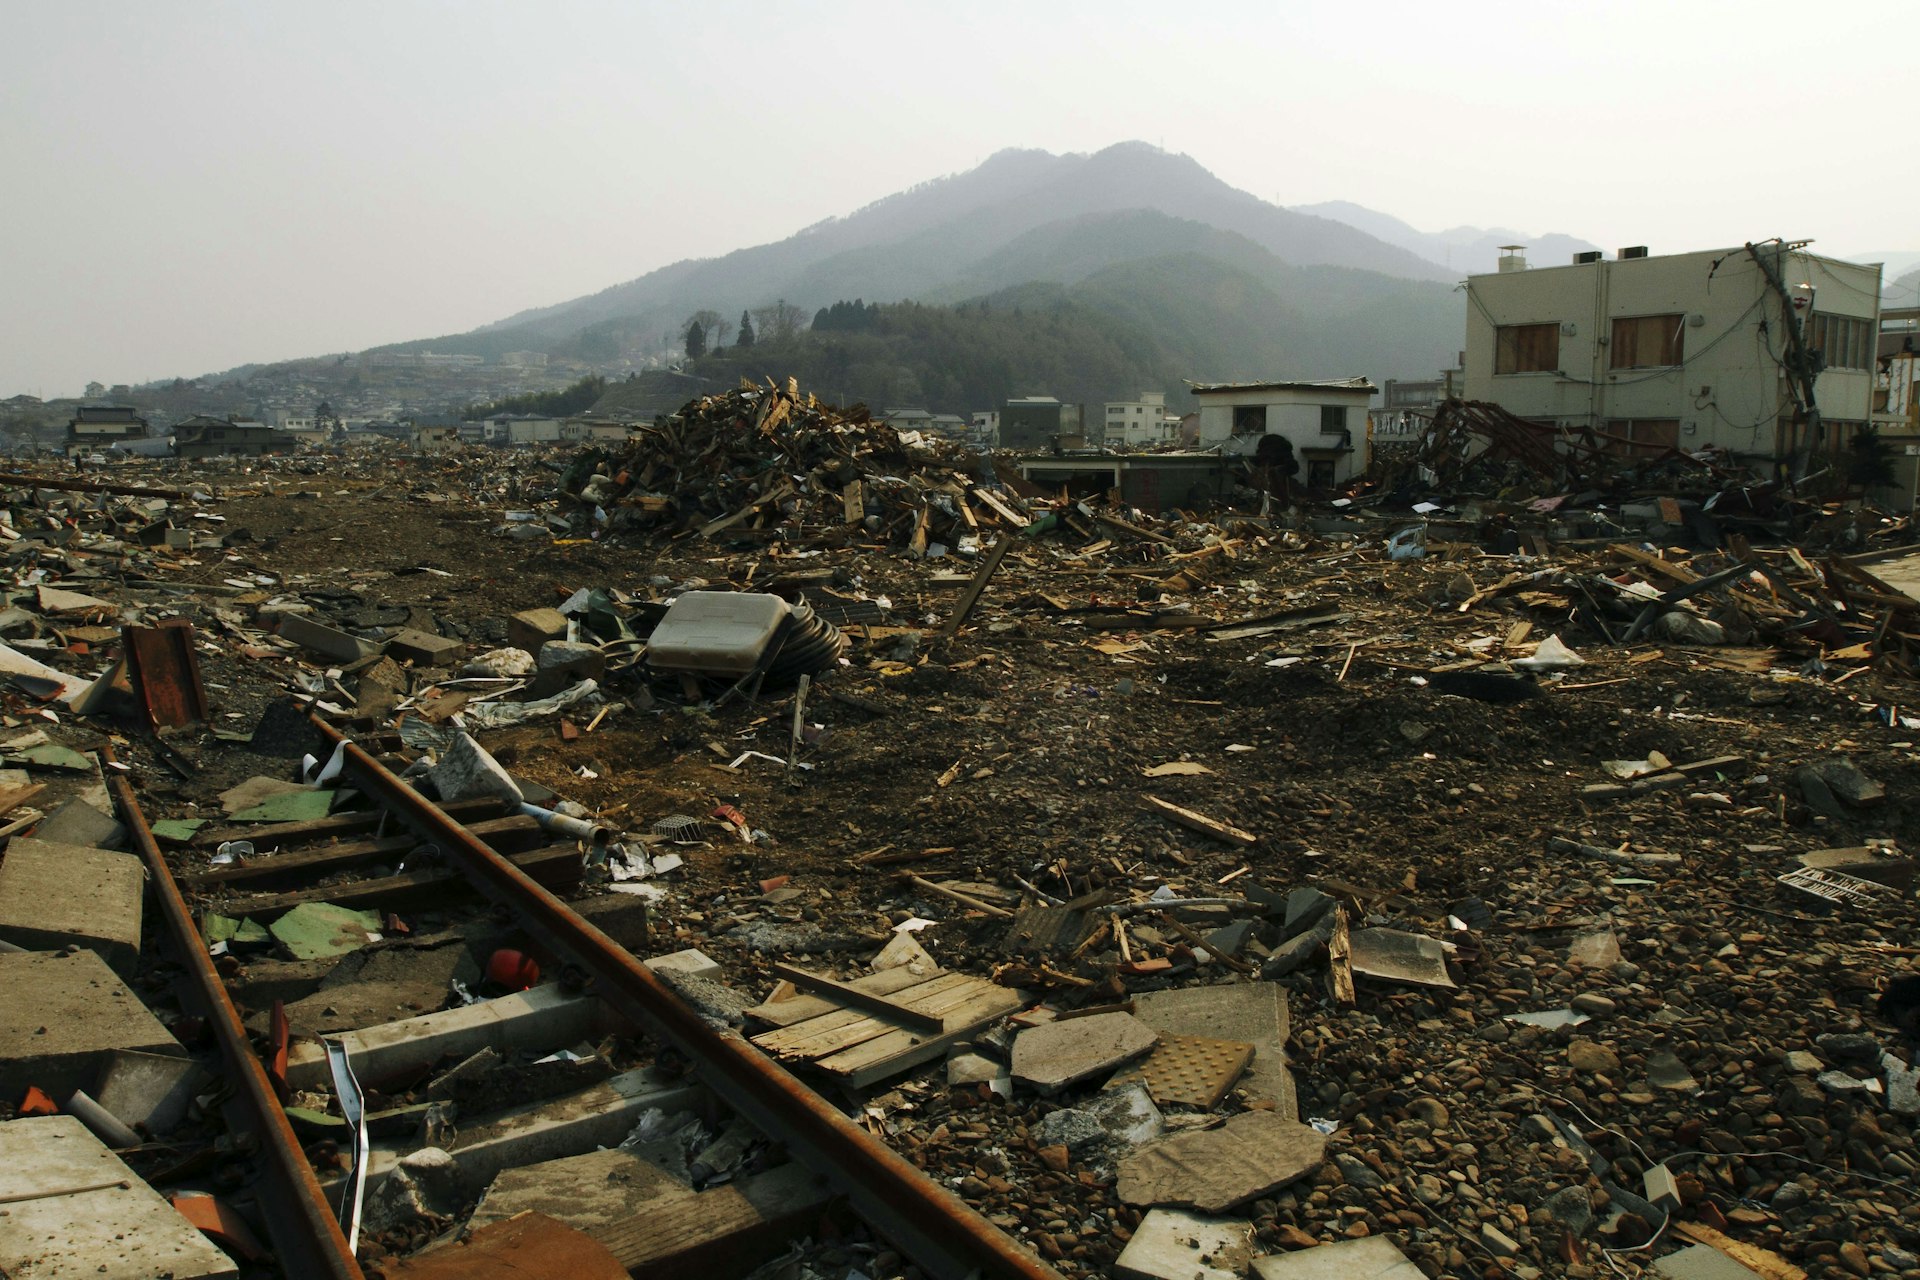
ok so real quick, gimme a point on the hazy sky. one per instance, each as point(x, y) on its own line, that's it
point(189, 186)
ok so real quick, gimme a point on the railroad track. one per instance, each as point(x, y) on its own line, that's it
point(506, 858)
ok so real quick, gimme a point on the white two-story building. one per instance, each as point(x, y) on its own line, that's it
point(1325, 422)
point(1680, 351)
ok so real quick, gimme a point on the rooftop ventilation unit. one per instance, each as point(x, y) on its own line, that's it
point(1633, 251)
point(1591, 255)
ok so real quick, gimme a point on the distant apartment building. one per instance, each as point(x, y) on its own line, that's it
point(522, 430)
point(524, 360)
point(984, 428)
point(1325, 422)
point(417, 360)
point(1140, 423)
point(1679, 351)
point(1407, 405)
point(1040, 422)
point(589, 429)
point(98, 426)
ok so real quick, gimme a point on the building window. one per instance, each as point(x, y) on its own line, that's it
point(1643, 437)
point(1333, 419)
point(1647, 342)
point(1249, 419)
point(1526, 348)
point(1320, 473)
point(1845, 341)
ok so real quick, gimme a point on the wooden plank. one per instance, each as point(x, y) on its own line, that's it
point(1764, 1261)
point(971, 597)
point(853, 997)
point(1340, 960)
point(957, 896)
point(992, 502)
point(503, 835)
point(899, 1051)
point(281, 834)
point(836, 1030)
point(1201, 823)
point(853, 502)
point(784, 1013)
point(13, 797)
point(557, 867)
point(722, 1231)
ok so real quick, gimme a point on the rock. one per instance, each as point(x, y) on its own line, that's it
point(1903, 1086)
point(1789, 1197)
point(1802, 1063)
point(1571, 1208)
point(973, 1068)
point(1593, 1004)
point(562, 662)
point(1056, 1054)
point(425, 1183)
point(1682, 627)
point(1499, 1242)
point(1854, 1259)
point(714, 1001)
point(1254, 1153)
point(467, 770)
point(1432, 1111)
point(1374, 1258)
point(1849, 1047)
point(1356, 1172)
point(1591, 1058)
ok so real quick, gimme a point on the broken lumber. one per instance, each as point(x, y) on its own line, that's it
point(1200, 822)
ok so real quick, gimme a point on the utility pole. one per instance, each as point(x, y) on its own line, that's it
point(1802, 364)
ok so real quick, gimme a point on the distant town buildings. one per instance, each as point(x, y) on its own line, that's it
point(1039, 422)
point(203, 436)
point(1140, 423)
point(97, 426)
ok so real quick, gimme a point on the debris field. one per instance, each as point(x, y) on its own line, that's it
point(1190, 893)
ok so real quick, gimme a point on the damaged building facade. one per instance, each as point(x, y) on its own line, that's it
point(1325, 422)
point(1679, 351)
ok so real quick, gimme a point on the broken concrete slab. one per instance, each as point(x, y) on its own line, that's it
point(149, 1090)
point(539, 1018)
point(328, 641)
point(55, 894)
point(1053, 1056)
point(1250, 1012)
point(691, 962)
point(1172, 1245)
point(245, 795)
point(384, 984)
point(532, 628)
point(1213, 1170)
point(77, 822)
point(1703, 1262)
point(1374, 1258)
point(315, 930)
point(466, 770)
point(298, 805)
point(562, 662)
point(423, 648)
point(1394, 956)
point(1115, 1120)
point(74, 1208)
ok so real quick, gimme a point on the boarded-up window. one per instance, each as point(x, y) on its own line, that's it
point(1846, 341)
point(1526, 348)
point(1643, 437)
point(1647, 342)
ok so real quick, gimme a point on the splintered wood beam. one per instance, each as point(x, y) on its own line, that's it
point(976, 588)
point(1200, 822)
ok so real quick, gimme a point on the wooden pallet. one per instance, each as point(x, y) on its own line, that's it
point(858, 1047)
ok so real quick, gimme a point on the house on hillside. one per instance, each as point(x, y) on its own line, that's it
point(1325, 422)
point(97, 426)
point(1680, 351)
point(203, 436)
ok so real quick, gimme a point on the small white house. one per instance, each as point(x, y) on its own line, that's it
point(1135, 423)
point(1325, 422)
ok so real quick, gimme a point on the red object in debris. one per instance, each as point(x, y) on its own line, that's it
point(279, 1041)
point(37, 1103)
point(226, 1228)
point(768, 886)
point(569, 731)
point(395, 925)
point(513, 970)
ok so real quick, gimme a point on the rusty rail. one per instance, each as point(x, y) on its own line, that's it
point(306, 1237)
point(939, 1231)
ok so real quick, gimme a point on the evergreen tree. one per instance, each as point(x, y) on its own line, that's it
point(696, 341)
point(746, 331)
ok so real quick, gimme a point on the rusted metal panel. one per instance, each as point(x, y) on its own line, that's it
point(165, 674)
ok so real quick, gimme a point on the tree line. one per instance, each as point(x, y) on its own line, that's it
point(705, 332)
